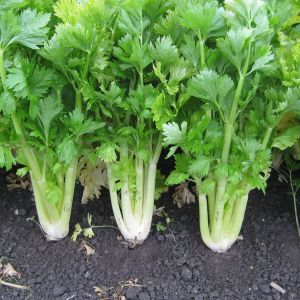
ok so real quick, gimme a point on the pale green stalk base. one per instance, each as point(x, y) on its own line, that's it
point(55, 231)
point(135, 228)
point(227, 230)
point(133, 212)
point(55, 221)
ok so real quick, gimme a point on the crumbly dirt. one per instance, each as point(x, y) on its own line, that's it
point(159, 269)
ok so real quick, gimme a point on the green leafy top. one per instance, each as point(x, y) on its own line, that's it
point(288, 55)
point(27, 28)
point(21, 27)
point(81, 41)
point(235, 95)
point(41, 130)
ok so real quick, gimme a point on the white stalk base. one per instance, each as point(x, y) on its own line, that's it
point(221, 246)
point(138, 236)
point(55, 231)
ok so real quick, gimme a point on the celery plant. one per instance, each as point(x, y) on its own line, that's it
point(289, 58)
point(104, 49)
point(128, 96)
point(37, 131)
point(228, 110)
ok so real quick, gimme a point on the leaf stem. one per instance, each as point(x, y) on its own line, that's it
point(202, 50)
point(2, 68)
point(86, 66)
point(78, 100)
point(16, 286)
point(295, 201)
point(267, 137)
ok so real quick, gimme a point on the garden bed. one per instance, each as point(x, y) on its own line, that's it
point(162, 268)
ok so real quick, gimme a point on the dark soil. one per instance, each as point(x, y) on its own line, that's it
point(184, 269)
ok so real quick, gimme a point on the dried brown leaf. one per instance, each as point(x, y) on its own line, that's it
point(100, 292)
point(183, 195)
point(160, 212)
point(88, 248)
point(16, 182)
point(9, 271)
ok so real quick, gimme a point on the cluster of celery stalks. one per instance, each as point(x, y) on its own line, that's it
point(130, 77)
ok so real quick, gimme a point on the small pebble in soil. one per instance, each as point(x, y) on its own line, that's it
point(214, 294)
point(184, 218)
point(94, 241)
point(276, 297)
point(58, 290)
point(265, 289)
point(199, 297)
point(160, 238)
point(144, 296)
point(196, 274)
point(177, 275)
point(169, 236)
point(82, 268)
point(181, 261)
point(164, 285)
point(87, 274)
point(20, 212)
point(186, 274)
point(133, 291)
point(42, 248)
